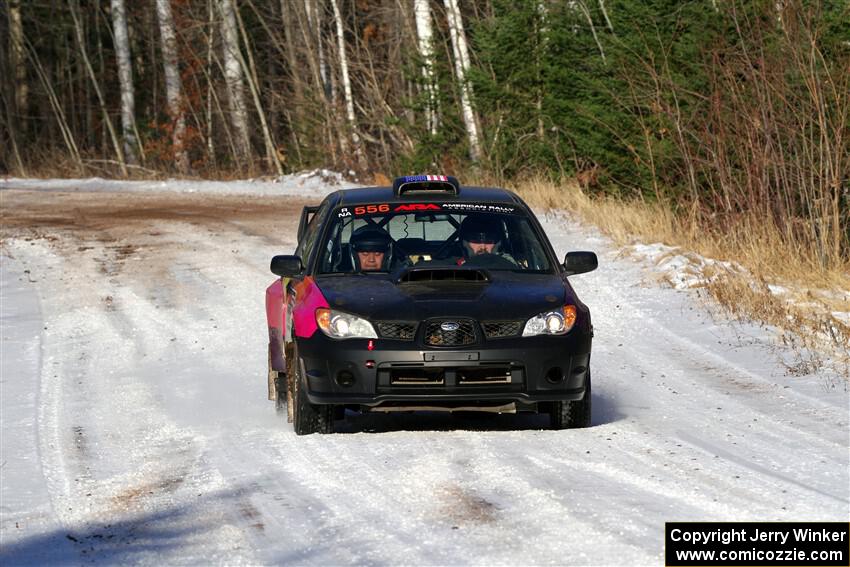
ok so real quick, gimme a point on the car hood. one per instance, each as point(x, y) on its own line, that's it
point(506, 296)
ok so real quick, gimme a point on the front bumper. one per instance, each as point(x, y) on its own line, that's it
point(525, 370)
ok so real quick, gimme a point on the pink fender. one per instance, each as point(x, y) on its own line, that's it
point(308, 298)
point(274, 305)
point(275, 311)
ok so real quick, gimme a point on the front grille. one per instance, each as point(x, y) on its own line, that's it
point(397, 330)
point(501, 329)
point(484, 375)
point(425, 379)
point(450, 332)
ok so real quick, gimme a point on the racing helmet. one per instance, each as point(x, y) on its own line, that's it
point(370, 238)
point(480, 229)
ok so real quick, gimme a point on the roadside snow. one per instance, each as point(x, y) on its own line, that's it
point(313, 184)
point(688, 270)
point(842, 316)
point(683, 269)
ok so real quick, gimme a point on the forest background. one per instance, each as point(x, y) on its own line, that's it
point(720, 125)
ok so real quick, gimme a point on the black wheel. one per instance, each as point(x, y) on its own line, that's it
point(572, 415)
point(307, 418)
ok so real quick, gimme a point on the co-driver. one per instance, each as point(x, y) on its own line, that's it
point(481, 239)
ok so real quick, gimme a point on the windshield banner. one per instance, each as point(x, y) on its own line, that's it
point(458, 208)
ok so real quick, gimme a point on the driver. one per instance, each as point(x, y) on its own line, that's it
point(371, 249)
point(480, 237)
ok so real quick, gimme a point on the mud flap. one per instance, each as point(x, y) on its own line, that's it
point(291, 373)
point(276, 361)
point(289, 399)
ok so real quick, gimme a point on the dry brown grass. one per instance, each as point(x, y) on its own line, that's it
point(803, 314)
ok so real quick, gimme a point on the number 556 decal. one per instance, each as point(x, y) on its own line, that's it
point(371, 209)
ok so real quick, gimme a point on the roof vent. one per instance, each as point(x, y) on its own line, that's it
point(426, 184)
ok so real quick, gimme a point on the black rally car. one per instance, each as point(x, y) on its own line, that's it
point(425, 296)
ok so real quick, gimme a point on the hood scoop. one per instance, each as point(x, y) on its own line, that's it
point(428, 275)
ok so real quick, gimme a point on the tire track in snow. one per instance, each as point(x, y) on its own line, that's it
point(103, 488)
point(766, 434)
point(762, 435)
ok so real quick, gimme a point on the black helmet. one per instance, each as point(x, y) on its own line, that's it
point(480, 229)
point(370, 238)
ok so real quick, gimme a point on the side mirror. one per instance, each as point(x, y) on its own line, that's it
point(580, 262)
point(286, 266)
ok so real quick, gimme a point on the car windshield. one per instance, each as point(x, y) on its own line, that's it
point(387, 237)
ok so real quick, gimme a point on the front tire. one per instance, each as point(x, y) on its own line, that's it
point(307, 418)
point(572, 414)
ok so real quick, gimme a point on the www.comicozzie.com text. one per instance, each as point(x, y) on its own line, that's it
point(726, 536)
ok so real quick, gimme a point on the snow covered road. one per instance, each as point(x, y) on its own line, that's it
point(135, 426)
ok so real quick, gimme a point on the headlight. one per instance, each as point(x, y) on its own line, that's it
point(339, 325)
point(555, 322)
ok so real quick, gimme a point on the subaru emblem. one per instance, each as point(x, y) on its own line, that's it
point(450, 326)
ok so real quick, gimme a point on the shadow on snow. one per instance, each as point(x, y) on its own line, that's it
point(143, 537)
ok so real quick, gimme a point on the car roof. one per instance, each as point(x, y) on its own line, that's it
point(369, 195)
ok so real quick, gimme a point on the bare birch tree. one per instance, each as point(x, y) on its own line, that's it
point(208, 75)
point(78, 28)
point(125, 77)
point(584, 10)
point(16, 35)
point(541, 31)
point(607, 19)
point(14, 79)
point(250, 69)
point(315, 55)
point(461, 57)
point(173, 84)
point(346, 86)
point(234, 78)
point(288, 21)
point(422, 14)
point(314, 20)
point(55, 105)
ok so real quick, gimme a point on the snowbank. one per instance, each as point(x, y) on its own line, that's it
point(315, 183)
